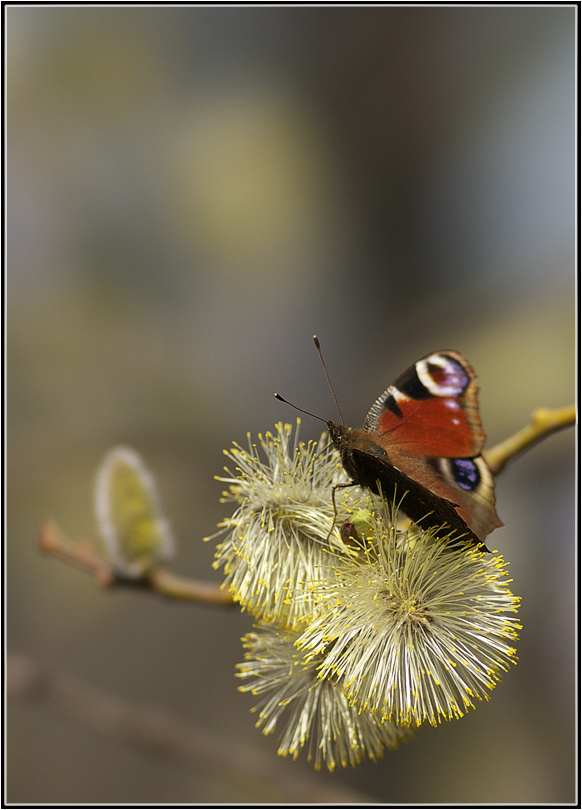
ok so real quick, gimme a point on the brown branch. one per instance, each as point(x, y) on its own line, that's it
point(85, 555)
point(157, 730)
point(173, 587)
point(544, 422)
point(82, 554)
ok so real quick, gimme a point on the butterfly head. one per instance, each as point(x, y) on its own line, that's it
point(339, 435)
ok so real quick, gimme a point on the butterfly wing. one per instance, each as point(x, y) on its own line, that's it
point(427, 423)
point(431, 409)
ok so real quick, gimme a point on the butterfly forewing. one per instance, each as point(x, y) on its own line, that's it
point(430, 410)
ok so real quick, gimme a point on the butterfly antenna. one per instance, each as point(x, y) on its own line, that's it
point(318, 347)
point(297, 408)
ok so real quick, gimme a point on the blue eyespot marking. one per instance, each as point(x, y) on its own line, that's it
point(466, 473)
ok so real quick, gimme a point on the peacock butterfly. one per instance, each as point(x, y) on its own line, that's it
point(421, 445)
point(422, 441)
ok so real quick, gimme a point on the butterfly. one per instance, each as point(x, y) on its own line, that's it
point(421, 443)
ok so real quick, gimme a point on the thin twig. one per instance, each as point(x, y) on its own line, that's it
point(544, 422)
point(157, 730)
point(173, 587)
point(85, 555)
point(82, 554)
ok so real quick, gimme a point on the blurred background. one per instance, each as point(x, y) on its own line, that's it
point(192, 194)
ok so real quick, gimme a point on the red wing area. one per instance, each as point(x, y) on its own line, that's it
point(447, 427)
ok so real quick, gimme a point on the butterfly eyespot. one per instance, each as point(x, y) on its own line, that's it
point(442, 375)
point(466, 473)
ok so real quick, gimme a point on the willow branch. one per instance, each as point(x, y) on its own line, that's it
point(85, 555)
point(157, 730)
point(544, 422)
point(173, 587)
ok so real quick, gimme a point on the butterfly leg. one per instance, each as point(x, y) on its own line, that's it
point(333, 489)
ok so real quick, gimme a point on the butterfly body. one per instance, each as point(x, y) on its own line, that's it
point(421, 442)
